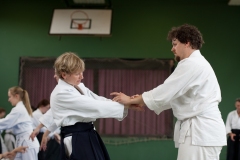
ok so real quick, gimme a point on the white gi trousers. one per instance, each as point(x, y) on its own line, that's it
point(32, 150)
point(68, 145)
point(10, 141)
point(187, 151)
point(30, 154)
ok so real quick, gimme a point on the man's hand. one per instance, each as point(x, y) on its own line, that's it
point(134, 96)
point(136, 107)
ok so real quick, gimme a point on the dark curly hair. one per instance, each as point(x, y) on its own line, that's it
point(187, 33)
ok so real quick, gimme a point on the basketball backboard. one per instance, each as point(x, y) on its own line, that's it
point(81, 22)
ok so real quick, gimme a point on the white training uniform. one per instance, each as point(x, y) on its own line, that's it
point(20, 123)
point(4, 148)
point(232, 122)
point(9, 140)
point(48, 122)
point(69, 107)
point(37, 114)
point(193, 93)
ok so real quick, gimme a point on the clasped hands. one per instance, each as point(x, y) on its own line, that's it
point(134, 102)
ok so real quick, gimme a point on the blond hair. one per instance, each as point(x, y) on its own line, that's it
point(69, 63)
point(23, 94)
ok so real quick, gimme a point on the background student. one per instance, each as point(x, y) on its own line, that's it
point(19, 119)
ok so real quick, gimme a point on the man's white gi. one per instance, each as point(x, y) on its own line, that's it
point(20, 123)
point(233, 121)
point(193, 93)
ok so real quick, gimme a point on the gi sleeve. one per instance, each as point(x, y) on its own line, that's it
point(174, 86)
point(10, 120)
point(228, 123)
point(97, 97)
point(47, 121)
point(83, 106)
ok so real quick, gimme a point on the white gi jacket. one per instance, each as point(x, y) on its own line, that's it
point(232, 122)
point(69, 106)
point(20, 123)
point(48, 122)
point(193, 93)
point(37, 114)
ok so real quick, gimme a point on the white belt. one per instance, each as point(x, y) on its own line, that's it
point(182, 126)
point(180, 131)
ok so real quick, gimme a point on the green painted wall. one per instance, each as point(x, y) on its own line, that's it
point(139, 30)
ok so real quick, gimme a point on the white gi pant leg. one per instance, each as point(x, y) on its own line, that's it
point(187, 151)
point(4, 148)
point(10, 141)
point(30, 154)
point(68, 145)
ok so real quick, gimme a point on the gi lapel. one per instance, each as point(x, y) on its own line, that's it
point(79, 90)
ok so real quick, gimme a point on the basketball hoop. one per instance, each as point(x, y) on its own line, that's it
point(76, 16)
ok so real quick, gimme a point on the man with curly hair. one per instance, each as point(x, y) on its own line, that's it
point(193, 93)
